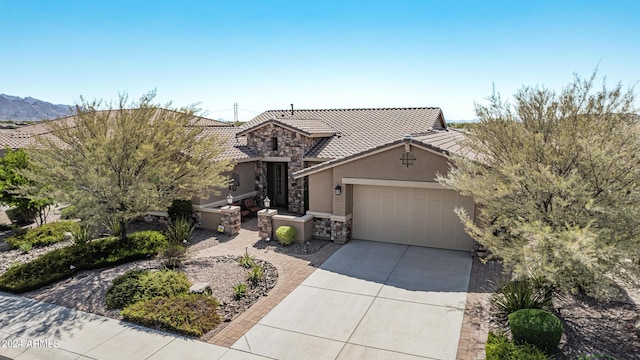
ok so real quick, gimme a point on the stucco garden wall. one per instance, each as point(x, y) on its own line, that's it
point(246, 171)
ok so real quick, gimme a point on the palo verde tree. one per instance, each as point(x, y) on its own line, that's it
point(557, 182)
point(118, 162)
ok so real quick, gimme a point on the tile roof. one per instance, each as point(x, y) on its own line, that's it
point(235, 147)
point(308, 127)
point(354, 129)
point(446, 142)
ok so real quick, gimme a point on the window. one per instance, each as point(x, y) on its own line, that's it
point(274, 144)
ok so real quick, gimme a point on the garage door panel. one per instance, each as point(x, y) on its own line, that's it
point(413, 216)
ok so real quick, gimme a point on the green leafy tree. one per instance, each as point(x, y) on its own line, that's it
point(26, 196)
point(119, 162)
point(556, 177)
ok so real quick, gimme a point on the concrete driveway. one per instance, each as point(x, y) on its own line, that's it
point(370, 300)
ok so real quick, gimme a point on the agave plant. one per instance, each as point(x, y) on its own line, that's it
point(179, 231)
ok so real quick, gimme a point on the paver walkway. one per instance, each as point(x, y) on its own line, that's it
point(475, 325)
point(292, 271)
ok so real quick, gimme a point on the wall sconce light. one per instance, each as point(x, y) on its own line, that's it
point(267, 202)
point(338, 190)
point(229, 200)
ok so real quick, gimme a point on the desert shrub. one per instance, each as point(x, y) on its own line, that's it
point(7, 227)
point(188, 314)
point(22, 214)
point(113, 226)
point(180, 209)
point(44, 235)
point(179, 231)
point(25, 247)
point(82, 235)
point(173, 256)
point(286, 235)
point(256, 274)
point(519, 294)
point(499, 347)
point(70, 212)
point(136, 285)
point(55, 265)
point(247, 261)
point(239, 290)
point(536, 327)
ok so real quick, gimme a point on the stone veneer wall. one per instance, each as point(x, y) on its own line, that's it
point(336, 231)
point(290, 144)
point(230, 219)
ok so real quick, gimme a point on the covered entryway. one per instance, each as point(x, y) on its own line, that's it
point(412, 216)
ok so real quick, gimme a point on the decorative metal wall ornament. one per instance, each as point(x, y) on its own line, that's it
point(407, 159)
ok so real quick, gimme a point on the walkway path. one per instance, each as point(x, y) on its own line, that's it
point(292, 271)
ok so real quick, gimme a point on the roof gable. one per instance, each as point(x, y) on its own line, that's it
point(354, 129)
point(306, 127)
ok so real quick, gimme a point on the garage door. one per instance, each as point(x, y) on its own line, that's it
point(411, 216)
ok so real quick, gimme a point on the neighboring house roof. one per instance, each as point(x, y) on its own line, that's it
point(234, 148)
point(444, 142)
point(352, 130)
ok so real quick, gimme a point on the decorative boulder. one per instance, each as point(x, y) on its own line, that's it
point(200, 288)
point(68, 236)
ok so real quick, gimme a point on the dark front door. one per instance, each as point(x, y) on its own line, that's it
point(277, 184)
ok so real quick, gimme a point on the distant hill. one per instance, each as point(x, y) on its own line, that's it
point(19, 109)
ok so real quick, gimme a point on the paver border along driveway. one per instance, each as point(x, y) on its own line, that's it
point(370, 300)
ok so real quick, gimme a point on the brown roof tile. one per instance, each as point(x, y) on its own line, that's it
point(354, 129)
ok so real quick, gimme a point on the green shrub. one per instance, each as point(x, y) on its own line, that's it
point(180, 209)
point(286, 235)
point(25, 247)
point(255, 275)
point(521, 294)
point(136, 285)
point(247, 261)
point(536, 327)
point(239, 290)
point(70, 212)
point(499, 347)
point(173, 256)
point(179, 231)
point(189, 314)
point(44, 235)
point(82, 235)
point(55, 265)
point(22, 214)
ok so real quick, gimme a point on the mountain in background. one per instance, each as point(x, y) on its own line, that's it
point(19, 109)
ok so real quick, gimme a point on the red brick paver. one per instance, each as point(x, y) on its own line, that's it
point(475, 325)
point(292, 271)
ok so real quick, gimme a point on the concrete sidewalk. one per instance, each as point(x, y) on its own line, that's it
point(31, 329)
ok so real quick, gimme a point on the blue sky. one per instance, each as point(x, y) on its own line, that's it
point(314, 54)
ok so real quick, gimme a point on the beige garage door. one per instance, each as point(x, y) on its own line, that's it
point(410, 216)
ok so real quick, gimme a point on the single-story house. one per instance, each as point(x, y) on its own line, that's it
point(338, 174)
point(350, 173)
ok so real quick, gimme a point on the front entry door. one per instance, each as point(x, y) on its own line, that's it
point(277, 184)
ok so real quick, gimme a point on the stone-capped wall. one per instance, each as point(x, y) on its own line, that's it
point(334, 230)
point(290, 144)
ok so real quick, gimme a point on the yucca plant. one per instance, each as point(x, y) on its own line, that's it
point(239, 290)
point(526, 293)
point(82, 235)
point(255, 275)
point(247, 261)
point(179, 231)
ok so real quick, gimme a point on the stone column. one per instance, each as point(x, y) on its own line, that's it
point(265, 223)
point(230, 219)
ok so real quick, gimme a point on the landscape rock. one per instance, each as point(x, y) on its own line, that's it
point(200, 288)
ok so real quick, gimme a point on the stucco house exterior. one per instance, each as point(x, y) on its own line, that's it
point(349, 173)
point(335, 174)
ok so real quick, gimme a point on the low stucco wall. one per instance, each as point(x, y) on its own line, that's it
point(209, 218)
point(302, 224)
point(247, 174)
